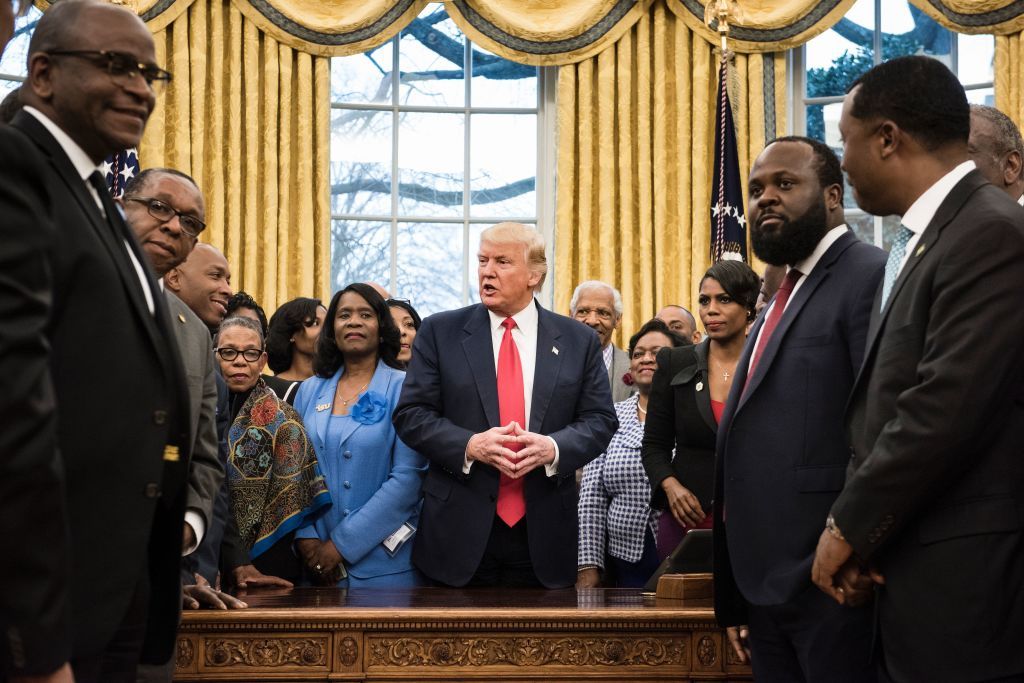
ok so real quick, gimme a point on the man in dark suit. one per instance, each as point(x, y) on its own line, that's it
point(507, 401)
point(782, 450)
point(934, 497)
point(96, 582)
point(164, 209)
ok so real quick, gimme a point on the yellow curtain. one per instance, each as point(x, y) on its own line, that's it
point(1001, 17)
point(1009, 84)
point(249, 118)
point(635, 135)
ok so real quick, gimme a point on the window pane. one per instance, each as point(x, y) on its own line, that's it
point(974, 58)
point(361, 162)
point(498, 82)
point(431, 59)
point(503, 165)
point(13, 61)
point(431, 164)
point(837, 57)
point(823, 123)
point(7, 86)
point(360, 252)
point(982, 96)
point(906, 30)
point(863, 225)
point(363, 78)
point(429, 265)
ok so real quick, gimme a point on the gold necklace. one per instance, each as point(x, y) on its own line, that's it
point(725, 373)
point(345, 403)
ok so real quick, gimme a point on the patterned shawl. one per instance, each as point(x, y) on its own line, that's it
point(273, 476)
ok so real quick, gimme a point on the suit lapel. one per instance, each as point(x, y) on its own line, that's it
point(479, 350)
point(323, 407)
point(76, 186)
point(549, 359)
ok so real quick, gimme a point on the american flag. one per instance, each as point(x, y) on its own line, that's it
point(728, 224)
point(119, 169)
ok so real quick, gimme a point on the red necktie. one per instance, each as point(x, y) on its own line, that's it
point(781, 299)
point(511, 407)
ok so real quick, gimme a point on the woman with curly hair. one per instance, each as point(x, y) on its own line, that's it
point(291, 344)
point(365, 539)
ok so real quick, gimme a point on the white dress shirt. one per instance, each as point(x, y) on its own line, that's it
point(922, 211)
point(85, 168)
point(805, 267)
point(524, 334)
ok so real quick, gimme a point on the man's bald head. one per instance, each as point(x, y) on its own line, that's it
point(680, 320)
point(203, 282)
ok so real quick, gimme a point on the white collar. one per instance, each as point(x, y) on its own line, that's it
point(827, 240)
point(922, 211)
point(526, 319)
point(79, 159)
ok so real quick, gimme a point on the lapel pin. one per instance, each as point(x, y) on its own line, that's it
point(181, 318)
point(700, 386)
point(322, 407)
point(920, 250)
point(554, 350)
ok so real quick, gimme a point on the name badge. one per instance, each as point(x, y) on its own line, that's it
point(171, 453)
point(396, 540)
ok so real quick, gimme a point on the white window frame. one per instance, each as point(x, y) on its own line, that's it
point(547, 79)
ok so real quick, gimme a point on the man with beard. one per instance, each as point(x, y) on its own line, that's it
point(782, 449)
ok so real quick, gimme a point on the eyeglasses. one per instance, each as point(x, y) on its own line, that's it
point(121, 67)
point(229, 354)
point(190, 225)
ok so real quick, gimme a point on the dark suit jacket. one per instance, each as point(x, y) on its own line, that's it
point(205, 471)
point(35, 547)
point(121, 396)
point(619, 367)
point(935, 491)
point(782, 450)
point(680, 419)
point(450, 394)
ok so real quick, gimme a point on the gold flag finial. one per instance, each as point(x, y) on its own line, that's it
point(719, 14)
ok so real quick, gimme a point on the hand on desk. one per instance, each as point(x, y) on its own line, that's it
point(202, 594)
point(588, 578)
point(247, 576)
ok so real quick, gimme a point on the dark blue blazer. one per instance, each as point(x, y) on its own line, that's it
point(782, 449)
point(450, 394)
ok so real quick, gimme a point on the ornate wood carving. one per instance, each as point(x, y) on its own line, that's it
point(185, 653)
point(707, 652)
point(264, 652)
point(348, 651)
point(527, 651)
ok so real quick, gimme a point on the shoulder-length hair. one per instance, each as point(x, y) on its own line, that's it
point(738, 281)
point(328, 357)
point(657, 325)
point(288, 319)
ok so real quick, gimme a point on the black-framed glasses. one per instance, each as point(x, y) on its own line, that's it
point(229, 354)
point(121, 67)
point(190, 225)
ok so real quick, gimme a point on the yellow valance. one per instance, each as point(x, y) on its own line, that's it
point(1001, 17)
point(766, 25)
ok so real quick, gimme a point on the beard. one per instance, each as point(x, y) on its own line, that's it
point(793, 240)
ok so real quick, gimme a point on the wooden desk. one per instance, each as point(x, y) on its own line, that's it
point(435, 634)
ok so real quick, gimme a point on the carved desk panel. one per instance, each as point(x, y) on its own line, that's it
point(437, 634)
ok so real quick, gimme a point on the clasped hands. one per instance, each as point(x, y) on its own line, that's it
point(322, 559)
point(490, 447)
point(840, 574)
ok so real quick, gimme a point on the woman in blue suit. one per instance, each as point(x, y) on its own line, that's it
point(365, 539)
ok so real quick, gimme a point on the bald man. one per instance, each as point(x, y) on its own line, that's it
point(680, 320)
point(92, 514)
point(203, 282)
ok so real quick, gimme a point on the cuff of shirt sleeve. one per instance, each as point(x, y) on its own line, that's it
point(194, 520)
point(551, 469)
